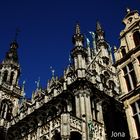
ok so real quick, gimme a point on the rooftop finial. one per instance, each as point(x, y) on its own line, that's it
point(115, 48)
point(88, 42)
point(23, 88)
point(52, 70)
point(128, 10)
point(77, 28)
point(38, 83)
point(69, 59)
point(98, 26)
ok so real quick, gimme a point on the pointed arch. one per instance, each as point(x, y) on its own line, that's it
point(106, 74)
point(6, 109)
point(123, 50)
point(136, 37)
point(5, 75)
point(12, 77)
point(111, 84)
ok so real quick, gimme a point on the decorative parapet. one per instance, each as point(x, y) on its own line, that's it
point(96, 131)
point(6, 86)
point(76, 123)
point(15, 90)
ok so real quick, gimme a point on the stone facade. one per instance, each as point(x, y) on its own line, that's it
point(90, 101)
point(128, 67)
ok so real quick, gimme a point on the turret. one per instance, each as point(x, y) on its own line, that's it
point(10, 68)
point(102, 45)
point(10, 92)
point(79, 53)
point(99, 33)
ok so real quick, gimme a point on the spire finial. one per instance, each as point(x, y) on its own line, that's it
point(98, 26)
point(94, 41)
point(69, 59)
point(88, 42)
point(115, 48)
point(52, 70)
point(38, 83)
point(128, 10)
point(23, 88)
point(78, 38)
point(77, 28)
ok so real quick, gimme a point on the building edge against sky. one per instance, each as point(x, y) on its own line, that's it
point(128, 67)
point(95, 99)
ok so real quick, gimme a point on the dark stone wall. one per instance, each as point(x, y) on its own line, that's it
point(2, 134)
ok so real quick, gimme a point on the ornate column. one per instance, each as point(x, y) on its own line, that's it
point(88, 112)
point(65, 126)
point(77, 103)
point(83, 115)
point(50, 133)
point(38, 133)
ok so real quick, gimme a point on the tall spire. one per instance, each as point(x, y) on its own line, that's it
point(99, 32)
point(77, 31)
point(12, 53)
point(78, 38)
point(98, 26)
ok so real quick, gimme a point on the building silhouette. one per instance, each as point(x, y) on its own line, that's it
point(95, 99)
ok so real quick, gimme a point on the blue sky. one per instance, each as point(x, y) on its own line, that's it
point(47, 27)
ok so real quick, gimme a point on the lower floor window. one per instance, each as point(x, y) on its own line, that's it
point(136, 115)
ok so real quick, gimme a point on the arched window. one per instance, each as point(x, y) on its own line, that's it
point(5, 76)
point(130, 76)
point(11, 77)
point(123, 51)
point(103, 79)
point(136, 37)
point(6, 109)
point(111, 84)
point(106, 74)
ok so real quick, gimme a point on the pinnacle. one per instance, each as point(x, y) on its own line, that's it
point(77, 28)
point(98, 26)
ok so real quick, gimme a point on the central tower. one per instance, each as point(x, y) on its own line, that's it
point(10, 92)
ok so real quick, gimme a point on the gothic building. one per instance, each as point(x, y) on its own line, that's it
point(95, 99)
